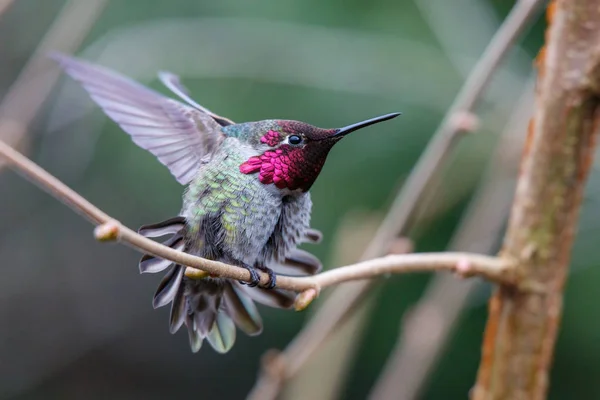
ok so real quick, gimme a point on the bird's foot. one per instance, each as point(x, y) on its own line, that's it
point(254, 277)
point(272, 277)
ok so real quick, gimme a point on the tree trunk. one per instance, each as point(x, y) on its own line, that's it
point(524, 319)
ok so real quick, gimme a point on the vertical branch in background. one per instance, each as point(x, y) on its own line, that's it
point(428, 326)
point(331, 363)
point(397, 222)
point(523, 322)
point(27, 94)
point(4, 4)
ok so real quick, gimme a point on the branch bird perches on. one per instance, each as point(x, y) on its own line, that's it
point(109, 229)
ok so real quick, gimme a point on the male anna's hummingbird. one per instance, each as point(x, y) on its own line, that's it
point(246, 203)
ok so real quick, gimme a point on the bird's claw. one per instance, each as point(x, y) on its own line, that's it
point(254, 277)
point(272, 277)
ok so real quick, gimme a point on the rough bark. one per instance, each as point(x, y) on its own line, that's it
point(524, 318)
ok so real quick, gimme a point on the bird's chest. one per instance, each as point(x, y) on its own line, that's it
point(294, 220)
point(230, 214)
point(247, 228)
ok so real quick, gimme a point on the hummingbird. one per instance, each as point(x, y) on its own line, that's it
point(246, 202)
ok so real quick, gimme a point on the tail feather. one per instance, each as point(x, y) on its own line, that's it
point(172, 226)
point(313, 236)
point(207, 319)
point(178, 310)
point(195, 337)
point(203, 307)
point(168, 287)
point(222, 335)
point(204, 299)
point(168, 227)
point(151, 264)
point(275, 298)
point(243, 311)
point(204, 321)
point(298, 263)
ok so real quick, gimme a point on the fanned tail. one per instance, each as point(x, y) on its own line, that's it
point(211, 308)
point(298, 263)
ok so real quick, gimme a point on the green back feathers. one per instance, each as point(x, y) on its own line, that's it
point(251, 132)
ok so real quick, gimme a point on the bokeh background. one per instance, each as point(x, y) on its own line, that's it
point(75, 316)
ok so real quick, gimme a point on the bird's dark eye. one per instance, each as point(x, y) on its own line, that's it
point(294, 139)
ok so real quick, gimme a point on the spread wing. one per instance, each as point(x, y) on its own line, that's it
point(172, 82)
point(179, 135)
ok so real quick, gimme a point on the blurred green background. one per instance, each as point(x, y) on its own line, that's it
point(75, 316)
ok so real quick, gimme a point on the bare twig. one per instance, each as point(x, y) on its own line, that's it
point(398, 221)
point(522, 326)
point(463, 263)
point(323, 376)
point(427, 327)
point(4, 4)
point(27, 94)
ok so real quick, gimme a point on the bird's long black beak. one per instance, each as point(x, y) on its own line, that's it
point(351, 128)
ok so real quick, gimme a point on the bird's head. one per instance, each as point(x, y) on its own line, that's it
point(291, 154)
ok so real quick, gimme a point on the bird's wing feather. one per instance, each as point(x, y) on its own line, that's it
point(173, 83)
point(177, 134)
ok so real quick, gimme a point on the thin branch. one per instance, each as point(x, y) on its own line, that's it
point(109, 229)
point(4, 5)
point(26, 95)
point(430, 323)
point(398, 221)
point(323, 376)
point(522, 326)
point(465, 264)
